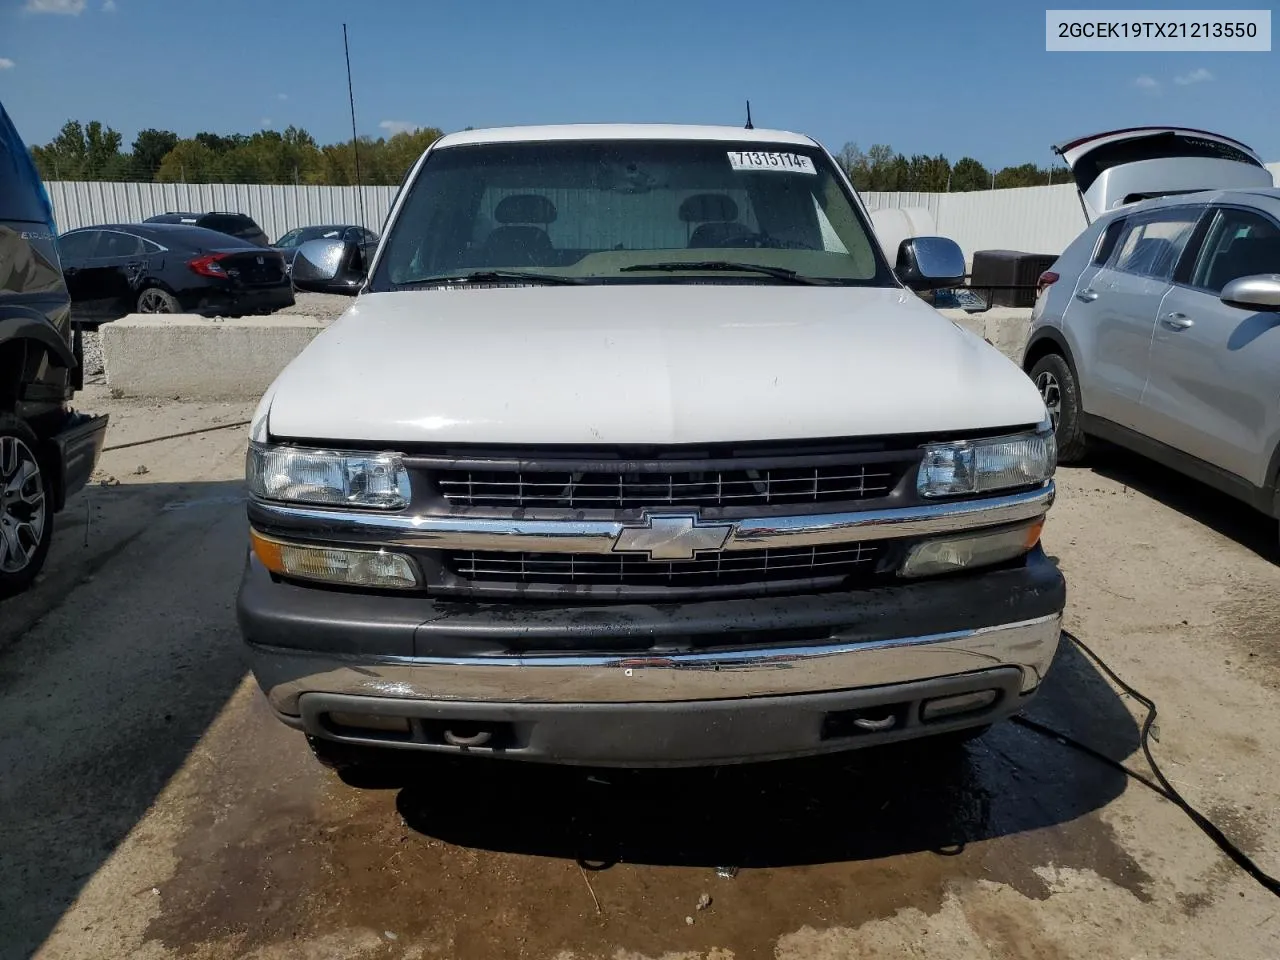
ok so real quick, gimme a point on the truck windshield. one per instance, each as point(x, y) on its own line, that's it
point(602, 211)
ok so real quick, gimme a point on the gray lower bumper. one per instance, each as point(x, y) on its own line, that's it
point(683, 709)
point(670, 734)
point(690, 683)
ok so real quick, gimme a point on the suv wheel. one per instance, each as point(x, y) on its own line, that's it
point(1057, 385)
point(26, 507)
point(155, 300)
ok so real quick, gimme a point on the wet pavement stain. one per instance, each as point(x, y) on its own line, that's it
point(1251, 623)
point(1193, 904)
point(1011, 933)
point(480, 859)
point(1241, 826)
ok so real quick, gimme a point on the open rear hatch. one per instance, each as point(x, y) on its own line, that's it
point(1118, 167)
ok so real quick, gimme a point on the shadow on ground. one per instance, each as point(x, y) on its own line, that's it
point(104, 696)
point(859, 806)
point(108, 683)
point(1228, 516)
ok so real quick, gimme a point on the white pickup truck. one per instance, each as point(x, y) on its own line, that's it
point(635, 449)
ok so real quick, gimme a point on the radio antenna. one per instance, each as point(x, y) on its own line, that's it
point(749, 124)
point(355, 146)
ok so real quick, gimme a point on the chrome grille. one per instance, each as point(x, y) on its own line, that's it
point(733, 567)
point(729, 488)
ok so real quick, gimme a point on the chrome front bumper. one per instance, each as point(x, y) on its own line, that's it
point(288, 674)
point(445, 532)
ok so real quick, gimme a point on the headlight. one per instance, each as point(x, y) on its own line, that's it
point(982, 466)
point(300, 475)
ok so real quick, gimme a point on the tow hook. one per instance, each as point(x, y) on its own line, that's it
point(477, 739)
point(876, 726)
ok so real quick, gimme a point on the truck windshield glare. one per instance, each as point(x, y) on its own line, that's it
point(602, 211)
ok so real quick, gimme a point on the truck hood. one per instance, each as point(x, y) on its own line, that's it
point(643, 364)
point(1118, 167)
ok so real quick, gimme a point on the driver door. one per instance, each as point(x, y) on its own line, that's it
point(1212, 390)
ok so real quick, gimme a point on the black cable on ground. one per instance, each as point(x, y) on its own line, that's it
point(1160, 785)
point(176, 436)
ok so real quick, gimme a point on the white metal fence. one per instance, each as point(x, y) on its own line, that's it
point(275, 208)
point(1033, 219)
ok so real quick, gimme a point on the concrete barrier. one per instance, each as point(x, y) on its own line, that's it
point(1005, 328)
point(176, 355)
point(201, 358)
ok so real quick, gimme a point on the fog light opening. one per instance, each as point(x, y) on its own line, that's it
point(353, 724)
point(958, 705)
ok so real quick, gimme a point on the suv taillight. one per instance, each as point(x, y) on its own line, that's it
point(208, 266)
point(1047, 279)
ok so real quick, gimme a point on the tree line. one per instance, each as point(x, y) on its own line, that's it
point(93, 151)
point(880, 168)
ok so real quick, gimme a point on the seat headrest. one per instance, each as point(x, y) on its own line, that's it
point(717, 234)
point(707, 207)
point(525, 208)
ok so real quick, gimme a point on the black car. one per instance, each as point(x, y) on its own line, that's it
point(232, 224)
point(47, 451)
point(365, 241)
point(118, 269)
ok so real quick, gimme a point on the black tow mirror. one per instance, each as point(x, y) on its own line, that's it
point(329, 266)
point(930, 263)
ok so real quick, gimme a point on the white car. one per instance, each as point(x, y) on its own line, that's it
point(635, 449)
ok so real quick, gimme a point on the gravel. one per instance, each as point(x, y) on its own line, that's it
point(92, 353)
point(327, 306)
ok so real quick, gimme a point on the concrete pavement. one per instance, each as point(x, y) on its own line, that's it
point(154, 808)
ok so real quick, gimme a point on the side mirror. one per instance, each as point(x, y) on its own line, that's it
point(328, 266)
point(1260, 292)
point(930, 263)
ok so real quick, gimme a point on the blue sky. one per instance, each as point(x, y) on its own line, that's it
point(929, 76)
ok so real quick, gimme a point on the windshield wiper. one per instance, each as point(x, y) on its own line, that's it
point(708, 266)
point(489, 276)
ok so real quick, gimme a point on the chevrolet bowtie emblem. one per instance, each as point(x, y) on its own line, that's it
point(672, 537)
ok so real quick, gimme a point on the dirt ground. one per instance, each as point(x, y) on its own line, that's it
point(152, 807)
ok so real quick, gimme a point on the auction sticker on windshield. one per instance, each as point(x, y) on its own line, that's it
point(785, 162)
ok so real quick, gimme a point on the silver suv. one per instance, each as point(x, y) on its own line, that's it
point(1156, 328)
